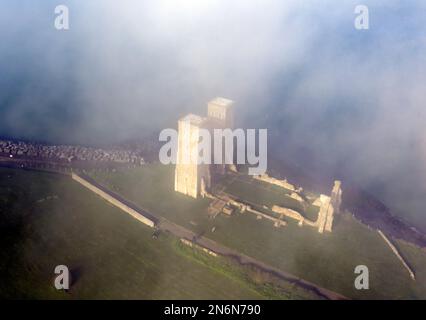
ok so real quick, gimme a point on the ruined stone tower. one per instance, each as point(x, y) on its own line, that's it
point(329, 205)
point(189, 174)
point(221, 116)
point(336, 195)
point(190, 177)
point(222, 111)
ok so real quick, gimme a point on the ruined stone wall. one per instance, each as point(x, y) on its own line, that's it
point(280, 183)
point(297, 197)
point(328, 207)
point(289, 213)
point(329, 218)
point(336, 195)
point(260, 215)
point(325, 215)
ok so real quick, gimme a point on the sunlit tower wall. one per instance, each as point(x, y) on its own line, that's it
point(222, 110)
point(221, 116)
point(336, 195)
point(189, 175)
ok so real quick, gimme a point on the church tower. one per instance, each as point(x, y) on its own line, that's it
point(191, 178)
point(222, 110)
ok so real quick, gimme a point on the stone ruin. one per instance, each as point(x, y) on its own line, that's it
point(195, 179)
point(329, 205)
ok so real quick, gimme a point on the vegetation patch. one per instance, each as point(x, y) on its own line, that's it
point(263, 283)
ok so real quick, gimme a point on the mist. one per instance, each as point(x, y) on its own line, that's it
point(349, 102)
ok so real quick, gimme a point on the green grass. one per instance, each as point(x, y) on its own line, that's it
point(264, 283)
point(417, 261)
point(262, 193)
point(328, 260)
point(257, 190)
point(47, 220)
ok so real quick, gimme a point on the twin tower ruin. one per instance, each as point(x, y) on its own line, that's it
point(193, 179)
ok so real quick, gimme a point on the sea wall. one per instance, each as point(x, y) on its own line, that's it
point(142, 217)
point(397, 254)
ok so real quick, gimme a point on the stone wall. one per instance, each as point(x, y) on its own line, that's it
point(281, 183)
point(336, 195)
point(325, 215)
point(289, 213)
point(329, 205)
point(260, 215)
point(398, 255)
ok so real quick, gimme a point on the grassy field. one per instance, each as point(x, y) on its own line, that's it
point(47, 220)
point(327, 260)
point(268, 285)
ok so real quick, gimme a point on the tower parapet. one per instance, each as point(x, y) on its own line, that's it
point(222, 110)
